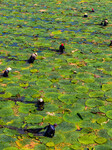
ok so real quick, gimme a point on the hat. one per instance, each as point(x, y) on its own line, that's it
point(85, 14)
point(9, 68)
point(35, 54)
point(55, 124)
point(62, 44)
point(41, 100)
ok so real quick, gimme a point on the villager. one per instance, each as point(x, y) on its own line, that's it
point(5, 74)
point(85, 15)
point(110, 43)
point(93, 10)
point(61, 48)
point(50, 130)
point(32, 58)
point(40, 104)
point(105, 22)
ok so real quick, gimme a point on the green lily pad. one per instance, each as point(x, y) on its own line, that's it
point(102, 147)
point(96, 94)
point(109, 114)
point(76, 146)
point(106, 108)
point(65, 126)
point(40, 146)
point(83, 89)
point(109, 99)
point(6, 111)
point(94, 103)
point(52, 95)
point(67, 98)
point(100, 140)
point(85, 77)
point(110, 132)
point(52, 119)
point(106, 87)
point(33, 118)
point(108, 94)
point(103, 133)
point(14, 90)
point(7, 95)
point(51, 108)
point(43, 83)
point(10, 132)
point(7, 139)
point(101, 120)
point(26, 108)
point(87, 139)
point(50, 144)
point(57, 139)
point(33, 70)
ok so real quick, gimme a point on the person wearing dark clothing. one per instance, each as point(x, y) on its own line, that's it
point(104, 23)
point(93, 10)
point(61, 48)
point(110, 43)
point(85, 15)
point(40, 104)
point(50, 130)
point(32, 58)
point(5, 74)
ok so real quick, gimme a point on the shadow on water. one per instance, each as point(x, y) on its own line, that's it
point(35, 132)
point(15, 99)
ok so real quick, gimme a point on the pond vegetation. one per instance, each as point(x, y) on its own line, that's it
point(78, 81)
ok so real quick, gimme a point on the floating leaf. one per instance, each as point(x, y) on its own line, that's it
point(96, 94)
point(34, 70)
point(50, 144)
point(10, 132)
point(106, 108)
point(56, 32)
point(100, 140)
point(76, 146)
point(7, 95)
point(102, 147)
point(26, 108)
point(87, 139)
point(106, 87)
point(83, 89)
point(94, 103)
point(109, 114)
point(14, 90)
point(52, 119)
point(33, 118)
point(67, 98)
point(40, 146)
point(101, 120)
point(110, 132)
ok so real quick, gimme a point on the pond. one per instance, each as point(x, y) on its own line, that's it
point(75, 86)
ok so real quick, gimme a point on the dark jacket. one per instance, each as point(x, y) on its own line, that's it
point(105, 23)
point(40, 105)
point(5, 74)
point(61, 49)
point(50, 131)
point(31, 59)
